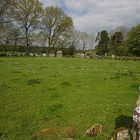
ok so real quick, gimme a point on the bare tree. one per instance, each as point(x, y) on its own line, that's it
point(5, 37)
point(70, 39)
point(83, 41)
point(4, 5)
point(74, 38)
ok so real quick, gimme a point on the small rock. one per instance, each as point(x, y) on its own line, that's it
point(94, 130)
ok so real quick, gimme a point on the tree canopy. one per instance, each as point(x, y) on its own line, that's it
point(56, 25)
point(103, 44)
point(133, 40)
point(27, 13)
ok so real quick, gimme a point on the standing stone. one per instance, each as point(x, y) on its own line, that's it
point(77, 55)
point(52, 55)
point(59, 54)
point(113, 56)
point(31, 54)
point(82, 55)
point(44, 54)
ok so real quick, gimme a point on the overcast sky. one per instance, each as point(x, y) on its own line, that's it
point(94, 15)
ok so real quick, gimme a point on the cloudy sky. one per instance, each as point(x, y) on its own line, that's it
point(94, 15)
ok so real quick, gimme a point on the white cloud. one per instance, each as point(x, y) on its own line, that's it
point(94, 15)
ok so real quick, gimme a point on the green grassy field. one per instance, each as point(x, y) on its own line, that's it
point(38, 93)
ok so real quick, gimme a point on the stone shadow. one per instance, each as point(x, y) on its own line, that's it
point(124, 121)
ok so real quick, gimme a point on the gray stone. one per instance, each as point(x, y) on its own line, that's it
point(52, 55)
point(123, 135)
point(31, 54)
point(44, 54)
point(82, 55)
point(59, 54)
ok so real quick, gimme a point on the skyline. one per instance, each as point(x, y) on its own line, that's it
point(92, 16)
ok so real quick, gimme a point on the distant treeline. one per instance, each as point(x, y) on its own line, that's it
point(119, 45)
point(17, 50)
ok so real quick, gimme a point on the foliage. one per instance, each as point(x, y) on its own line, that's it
point(27, 14)
point(115, 45)
point(56, 25)
point(133, 40)
point(118, 45)
point(117, 39)
point(103, 44)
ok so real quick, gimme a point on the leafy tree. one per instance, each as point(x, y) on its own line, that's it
point(56, 25)
point(27, 14)
point(103, 43)
point(117, 44)
point(133, 40)
point(117, 39)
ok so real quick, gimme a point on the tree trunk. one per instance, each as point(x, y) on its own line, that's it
point(15, 46)
point(27, 41)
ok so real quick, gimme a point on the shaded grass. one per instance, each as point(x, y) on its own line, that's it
point(66, 83)
point(39, 93)
point(34, 81)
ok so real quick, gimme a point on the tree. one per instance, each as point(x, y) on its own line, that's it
point(71, 39)
point(103, 43)
point(117, 44)
point(16, 38)
point(5, 37)
point(4, 5)
point(133, 40)
point(83, 41)
point(117, 39)
point(27, 14)
point(56, 25)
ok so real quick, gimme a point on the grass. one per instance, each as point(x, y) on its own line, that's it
point(39, 93)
